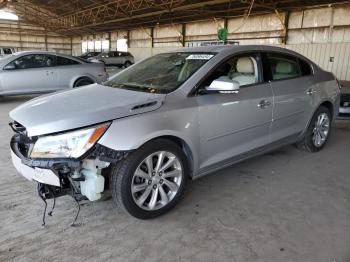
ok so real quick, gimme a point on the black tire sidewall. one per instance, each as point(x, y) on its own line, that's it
point(79, 82)
point(308, 142)
point(121, 189)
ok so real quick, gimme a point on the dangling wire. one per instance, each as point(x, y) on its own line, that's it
point(54, 203)
point(43, 199)
point(76, 200)
point(76, 216)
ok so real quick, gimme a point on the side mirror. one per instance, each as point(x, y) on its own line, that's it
point(223, 85)
point(10, 66)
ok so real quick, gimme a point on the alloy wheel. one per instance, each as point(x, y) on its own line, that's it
point(321, 130)
point(156, 180)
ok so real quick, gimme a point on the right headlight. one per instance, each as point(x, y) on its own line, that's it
point(68, 145)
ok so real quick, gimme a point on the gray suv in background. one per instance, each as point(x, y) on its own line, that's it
point(116, 58)
point(174, 116)
point(42, 72)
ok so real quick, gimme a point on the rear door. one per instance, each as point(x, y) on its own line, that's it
point(29, 74)
point(232, 124)
point(290, 82)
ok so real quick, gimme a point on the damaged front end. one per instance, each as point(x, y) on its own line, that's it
point(70, 163)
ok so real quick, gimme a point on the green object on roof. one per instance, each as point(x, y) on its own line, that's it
point(222, 34)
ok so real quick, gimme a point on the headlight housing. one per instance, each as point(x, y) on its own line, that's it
point(68, 145)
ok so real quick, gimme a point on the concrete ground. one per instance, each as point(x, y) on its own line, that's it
point(287, 205)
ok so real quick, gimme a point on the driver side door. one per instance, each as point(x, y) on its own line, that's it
point(234, 124)
point(32, 73)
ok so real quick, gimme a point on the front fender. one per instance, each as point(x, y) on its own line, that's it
point(132, 132)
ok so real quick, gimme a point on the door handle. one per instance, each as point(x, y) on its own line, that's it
point(263, 104)
point(310, 92)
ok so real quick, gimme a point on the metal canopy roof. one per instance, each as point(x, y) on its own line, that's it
point(78, 17)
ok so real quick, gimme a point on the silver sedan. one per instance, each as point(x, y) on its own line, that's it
point(174, 116)
point(43, 72)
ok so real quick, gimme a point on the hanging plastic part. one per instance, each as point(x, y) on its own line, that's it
point(42, 196)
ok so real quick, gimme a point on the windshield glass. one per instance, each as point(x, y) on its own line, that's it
point(161, 73)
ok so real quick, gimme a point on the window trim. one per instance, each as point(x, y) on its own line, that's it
point(193, 92)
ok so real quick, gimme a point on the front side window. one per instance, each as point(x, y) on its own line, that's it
point(282, 66)
point(161, 73)
point(242, 69)
point(63, 61)
point(33, 61)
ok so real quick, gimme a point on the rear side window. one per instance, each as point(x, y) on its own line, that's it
point(63, 61)
point(282, 66)
point(305, 68)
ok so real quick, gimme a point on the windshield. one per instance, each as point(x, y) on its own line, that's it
point(161, 73)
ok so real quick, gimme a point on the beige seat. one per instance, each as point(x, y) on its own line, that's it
point(284, 70)
point(245, 73)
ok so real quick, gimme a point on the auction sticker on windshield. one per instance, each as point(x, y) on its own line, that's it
point(200, 56)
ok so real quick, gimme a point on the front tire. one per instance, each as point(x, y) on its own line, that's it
point(151, 180)
point(318, 132)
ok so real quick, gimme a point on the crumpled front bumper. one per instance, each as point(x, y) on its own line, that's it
point(42, 175)
point(52, 171)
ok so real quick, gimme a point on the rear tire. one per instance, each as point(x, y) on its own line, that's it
point(83, 82)
point(127, 64)
point(318, 132)
point(141, 187)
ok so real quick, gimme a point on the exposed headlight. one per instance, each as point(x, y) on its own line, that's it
point(67, 145)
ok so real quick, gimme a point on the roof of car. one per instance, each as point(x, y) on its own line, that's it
point(37, 52)
point(221, 48)
point(240, 48)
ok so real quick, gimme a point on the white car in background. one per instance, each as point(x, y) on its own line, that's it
point(43, 72)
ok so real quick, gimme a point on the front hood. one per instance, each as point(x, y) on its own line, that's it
point(82, 107)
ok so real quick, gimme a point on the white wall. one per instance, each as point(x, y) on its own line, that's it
point(321, 54)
